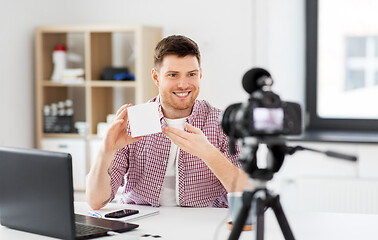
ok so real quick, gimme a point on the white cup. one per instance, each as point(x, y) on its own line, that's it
point(82, 127)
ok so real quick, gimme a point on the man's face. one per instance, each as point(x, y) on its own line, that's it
point(178, 83)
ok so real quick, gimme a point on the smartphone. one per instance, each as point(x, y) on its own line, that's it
point(121, 213)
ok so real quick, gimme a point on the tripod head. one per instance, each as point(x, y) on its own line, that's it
point(277, 150)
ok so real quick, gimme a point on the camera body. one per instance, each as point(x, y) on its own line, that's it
point(264, 114)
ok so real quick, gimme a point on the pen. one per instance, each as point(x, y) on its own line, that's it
point(94, 214)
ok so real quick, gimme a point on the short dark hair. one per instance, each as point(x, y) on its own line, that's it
point(176, 45)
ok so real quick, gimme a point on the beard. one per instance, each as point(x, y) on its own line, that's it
point(172, 102)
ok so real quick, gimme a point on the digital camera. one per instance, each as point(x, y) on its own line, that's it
point(264, 114)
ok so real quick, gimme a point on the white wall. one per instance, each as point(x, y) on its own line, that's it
point(286, 48)
point(233, 37)
point(18, 20)
point(223, 30)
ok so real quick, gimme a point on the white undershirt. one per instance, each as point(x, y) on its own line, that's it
point(169, 190)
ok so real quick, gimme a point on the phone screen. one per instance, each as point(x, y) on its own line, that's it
point(121, 213)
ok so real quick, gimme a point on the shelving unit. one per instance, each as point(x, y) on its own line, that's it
point(97, 47)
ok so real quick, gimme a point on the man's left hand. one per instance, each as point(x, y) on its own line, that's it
point(193, 141)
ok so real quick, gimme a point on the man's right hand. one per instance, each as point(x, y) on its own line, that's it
point(117, 136)
point(98, 188)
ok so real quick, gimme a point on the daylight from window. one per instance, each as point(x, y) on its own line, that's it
point(348, 59)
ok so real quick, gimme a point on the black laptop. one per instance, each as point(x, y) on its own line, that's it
point(36, 195)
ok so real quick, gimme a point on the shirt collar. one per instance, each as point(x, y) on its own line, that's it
point(194, 113)
point(189, 119)
point(163, 122)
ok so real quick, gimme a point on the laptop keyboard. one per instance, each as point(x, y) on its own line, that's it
point(88, 230)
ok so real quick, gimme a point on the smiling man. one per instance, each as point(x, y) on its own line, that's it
point(189, 163)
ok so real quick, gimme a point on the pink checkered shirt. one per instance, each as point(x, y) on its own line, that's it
point(142, 165)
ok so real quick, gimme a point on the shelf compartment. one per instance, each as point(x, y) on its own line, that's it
point(49, 41)
point(111, 49)
point(107, 100)
point(75, 43)
point(54, 94)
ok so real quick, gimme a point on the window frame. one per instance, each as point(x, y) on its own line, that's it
point(313, 121)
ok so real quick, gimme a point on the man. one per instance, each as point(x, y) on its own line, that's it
point(188, 164)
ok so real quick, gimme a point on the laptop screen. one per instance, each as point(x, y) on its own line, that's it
point(36, 192)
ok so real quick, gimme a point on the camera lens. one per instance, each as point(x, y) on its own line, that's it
point(228, 118)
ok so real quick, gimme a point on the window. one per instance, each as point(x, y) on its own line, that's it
point(361, 62)
point(342, 64)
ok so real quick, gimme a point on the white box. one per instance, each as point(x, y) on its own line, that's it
point(144, 119)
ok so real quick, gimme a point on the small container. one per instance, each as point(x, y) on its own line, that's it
point(59, 57)
point(82, 127)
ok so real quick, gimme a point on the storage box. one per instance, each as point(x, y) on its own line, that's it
point(58, 124)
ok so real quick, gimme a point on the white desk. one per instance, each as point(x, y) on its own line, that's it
point(207, 223)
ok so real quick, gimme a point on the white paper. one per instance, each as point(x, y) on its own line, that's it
point(144, 211)
point(144, 119)
point(142, 214)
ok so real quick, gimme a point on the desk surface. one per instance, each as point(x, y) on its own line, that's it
point(210, 223)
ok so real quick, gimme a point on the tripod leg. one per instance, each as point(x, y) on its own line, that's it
point(281, 218)
point(242, 217)
point(260, 209)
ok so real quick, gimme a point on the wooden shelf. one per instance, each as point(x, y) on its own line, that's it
point(71, 135)
point(91, 83)
point(102, 83)
point(63, 135)
point(98, 47)
point(48, 83)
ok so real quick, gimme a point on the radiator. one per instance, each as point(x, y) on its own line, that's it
point(344, 195)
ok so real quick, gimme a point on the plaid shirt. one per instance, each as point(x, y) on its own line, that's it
point(142, 165)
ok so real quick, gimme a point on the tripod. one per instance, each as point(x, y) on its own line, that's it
point(261, 199)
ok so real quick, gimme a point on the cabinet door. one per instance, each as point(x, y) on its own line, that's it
point(76, 147)
point(94, 146)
